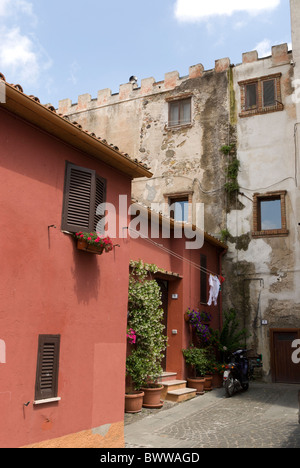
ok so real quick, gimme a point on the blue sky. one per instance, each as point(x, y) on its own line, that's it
point(61, 49)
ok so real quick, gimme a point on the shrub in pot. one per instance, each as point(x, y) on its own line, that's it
point(199, 361)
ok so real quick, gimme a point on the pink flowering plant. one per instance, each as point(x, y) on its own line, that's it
point(131, 336)
point(93, 238)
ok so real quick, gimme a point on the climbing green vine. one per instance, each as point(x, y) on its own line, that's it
point(145, 318)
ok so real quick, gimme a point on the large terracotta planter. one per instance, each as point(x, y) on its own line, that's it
point(152, 397)
point(208, 383)
point(217, 381)
point(197, 383)
point(134, 402)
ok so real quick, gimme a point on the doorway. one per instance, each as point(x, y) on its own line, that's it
point(284, 370)
point(164, 287)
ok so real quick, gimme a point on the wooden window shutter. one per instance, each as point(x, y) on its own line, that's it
point(47, 367)
point(203, 279)
point(83, 192)
point(100, 197)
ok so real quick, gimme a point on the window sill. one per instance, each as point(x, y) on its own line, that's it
point(178, 127)
point(46, 400)
point(261, 111)
point(271, 233)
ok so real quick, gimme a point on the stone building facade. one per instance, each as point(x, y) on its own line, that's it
point(227, 138)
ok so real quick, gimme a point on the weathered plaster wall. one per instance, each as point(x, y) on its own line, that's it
point(183, 159)
point(265, 272)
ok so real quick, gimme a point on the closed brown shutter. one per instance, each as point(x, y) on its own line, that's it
point(47, 367)
point(203, 279)
point(83, 192)
point(100, 197)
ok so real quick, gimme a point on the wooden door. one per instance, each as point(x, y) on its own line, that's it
point(283, 368)
point(164, 290)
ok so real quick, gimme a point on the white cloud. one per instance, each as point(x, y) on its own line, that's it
point(198, 10)
point(264, 47)
point(21, 57)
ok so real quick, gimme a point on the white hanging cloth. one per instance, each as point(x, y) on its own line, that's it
point(214, 284)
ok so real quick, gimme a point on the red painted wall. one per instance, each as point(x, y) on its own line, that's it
point(181, 261)
point(48, 287)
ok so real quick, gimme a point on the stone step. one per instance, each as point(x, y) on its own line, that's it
point(172, 385)
point(181, 394)
point(167, 376)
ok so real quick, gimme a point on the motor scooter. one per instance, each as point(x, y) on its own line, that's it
point(236, 376)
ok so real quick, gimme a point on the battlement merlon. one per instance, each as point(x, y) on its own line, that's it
point(279, 56)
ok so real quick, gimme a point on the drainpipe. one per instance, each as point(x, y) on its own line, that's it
point(221, 255)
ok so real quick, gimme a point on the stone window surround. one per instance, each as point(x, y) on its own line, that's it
point(257, 197)
point(260, 110)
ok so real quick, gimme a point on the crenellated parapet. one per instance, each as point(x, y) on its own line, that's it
point(280, 55)
point(128, 91)
point(149, 86)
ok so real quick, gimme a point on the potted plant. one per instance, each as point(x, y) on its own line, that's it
point(198, 359)
point(217, 377)
point(199, 320)
point(145, 318)
point(134, 372)
point(92, 242)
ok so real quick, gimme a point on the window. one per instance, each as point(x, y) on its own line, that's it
point(47, 367)
point(269, 217)
point(180, 112)
point(203, 279)
point(84, 191)
point(180, 209)
point(261, 95)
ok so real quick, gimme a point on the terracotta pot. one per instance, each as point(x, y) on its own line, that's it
point(217, 381)
point(208, 383)
point(197, 383)
point(133, 402)
point(152, 397)
point(84, 245)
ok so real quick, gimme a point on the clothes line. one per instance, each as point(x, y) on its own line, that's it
point(179, 257)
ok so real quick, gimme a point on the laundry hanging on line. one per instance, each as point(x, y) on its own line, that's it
point(215, 285)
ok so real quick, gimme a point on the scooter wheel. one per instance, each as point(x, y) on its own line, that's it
point(229, 386)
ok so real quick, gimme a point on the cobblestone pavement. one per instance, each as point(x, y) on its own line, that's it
point(264, 417)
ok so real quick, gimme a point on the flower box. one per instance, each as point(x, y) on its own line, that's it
point(84, 245)
point(92, 243)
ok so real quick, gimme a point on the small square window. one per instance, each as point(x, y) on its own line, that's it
point(180, 112)
point(179, 209)
point(269, 215)
point(261, 95)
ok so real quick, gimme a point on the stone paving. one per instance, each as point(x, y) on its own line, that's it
point(264, 417)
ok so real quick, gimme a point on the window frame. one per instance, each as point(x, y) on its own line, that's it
point(97, 183)
point(179, 100)
point(260, 108)
point(269, 196)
